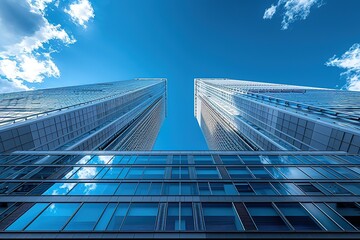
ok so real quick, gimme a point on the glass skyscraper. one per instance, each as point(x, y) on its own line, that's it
point(111, 116)
point(294, 186)
point(246, 115)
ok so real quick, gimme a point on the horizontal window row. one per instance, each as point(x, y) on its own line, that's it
point(201, 188)
point(186, 159)
point(219, 217)
point(181, 172)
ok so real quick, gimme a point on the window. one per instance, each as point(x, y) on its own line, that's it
point(189, 189)
point(117, 218)
point(334, 188)
point(254, 159)
point(203, 159)
point(260, 172)
point(141, 217)
point(126, 189)
point(86, 217)
point(353, 187)
point(142, 189)
point(112, 173)
point(204, 188)
point(94, 189)
point(154, 173)
point(86, 173)
point(231, 160)
point(312, 173)
point(54, 217)
point(350, 211)
point(287, 189)
point(27, 217)
point(244, 189)
point(223, 189)
point(265, 217)
point(105, 218)
point(220, 217)
point(155, 189)
point(309, 189)
point(171, 189)
point(180, 173)
point(59, 189)
point(321, 217)
point(239, 172)
point(207, 173)
point(135, 173)
point(263, 189)
point(292, 173)
point(297, 216)
point(100, 160)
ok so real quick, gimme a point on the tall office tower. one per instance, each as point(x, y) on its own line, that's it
point(244, 115)
point(123, 115)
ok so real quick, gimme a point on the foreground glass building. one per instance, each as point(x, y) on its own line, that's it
point(247, 115)
point(103, 116)
point(69, 194)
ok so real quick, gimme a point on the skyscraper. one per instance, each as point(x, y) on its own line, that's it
point(246, 115)
point(123, 115)
point(74, 193)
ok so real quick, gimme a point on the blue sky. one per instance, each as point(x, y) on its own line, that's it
point(88, 41)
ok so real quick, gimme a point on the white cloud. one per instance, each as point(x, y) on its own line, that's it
point(7, 86)
point(81, 12)
point(350, 61)
point(30, 40)
point(293, 10)
point(269, 13)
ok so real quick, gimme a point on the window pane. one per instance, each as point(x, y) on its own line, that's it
point(204, 188)
point(292, 173)
point(244, 189)
point(189, 189)
point(112, 173)
point(27, 217)
point(187, 220)
point(207, 173)
point(126, 189)
point(154, 173)
point(171, 189)
point(334, 188)
point(141, 217)
point(298, 217)
point(321, 217)
point(142, 189)
point(86, 217)
point(203, 159)
point(265, 217)
point(135, 173)
point(105, 218)
point(349, 211)
point(54, 217)
point(94, 189)
point(223, 189)
point(86, 173)
point(230, 159)
point(275, 173)
point(173, 218)
point(155, 189)
point(254, 159)
point(239, 172)
point(260, 172)
point(59, 189)
point(353, 187)
point(118, 216)
point(263, 189)
point(309, 189)
point(220, 217)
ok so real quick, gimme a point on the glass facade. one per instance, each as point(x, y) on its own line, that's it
point(245, 115)
point(195, 194)
point(123, 115)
